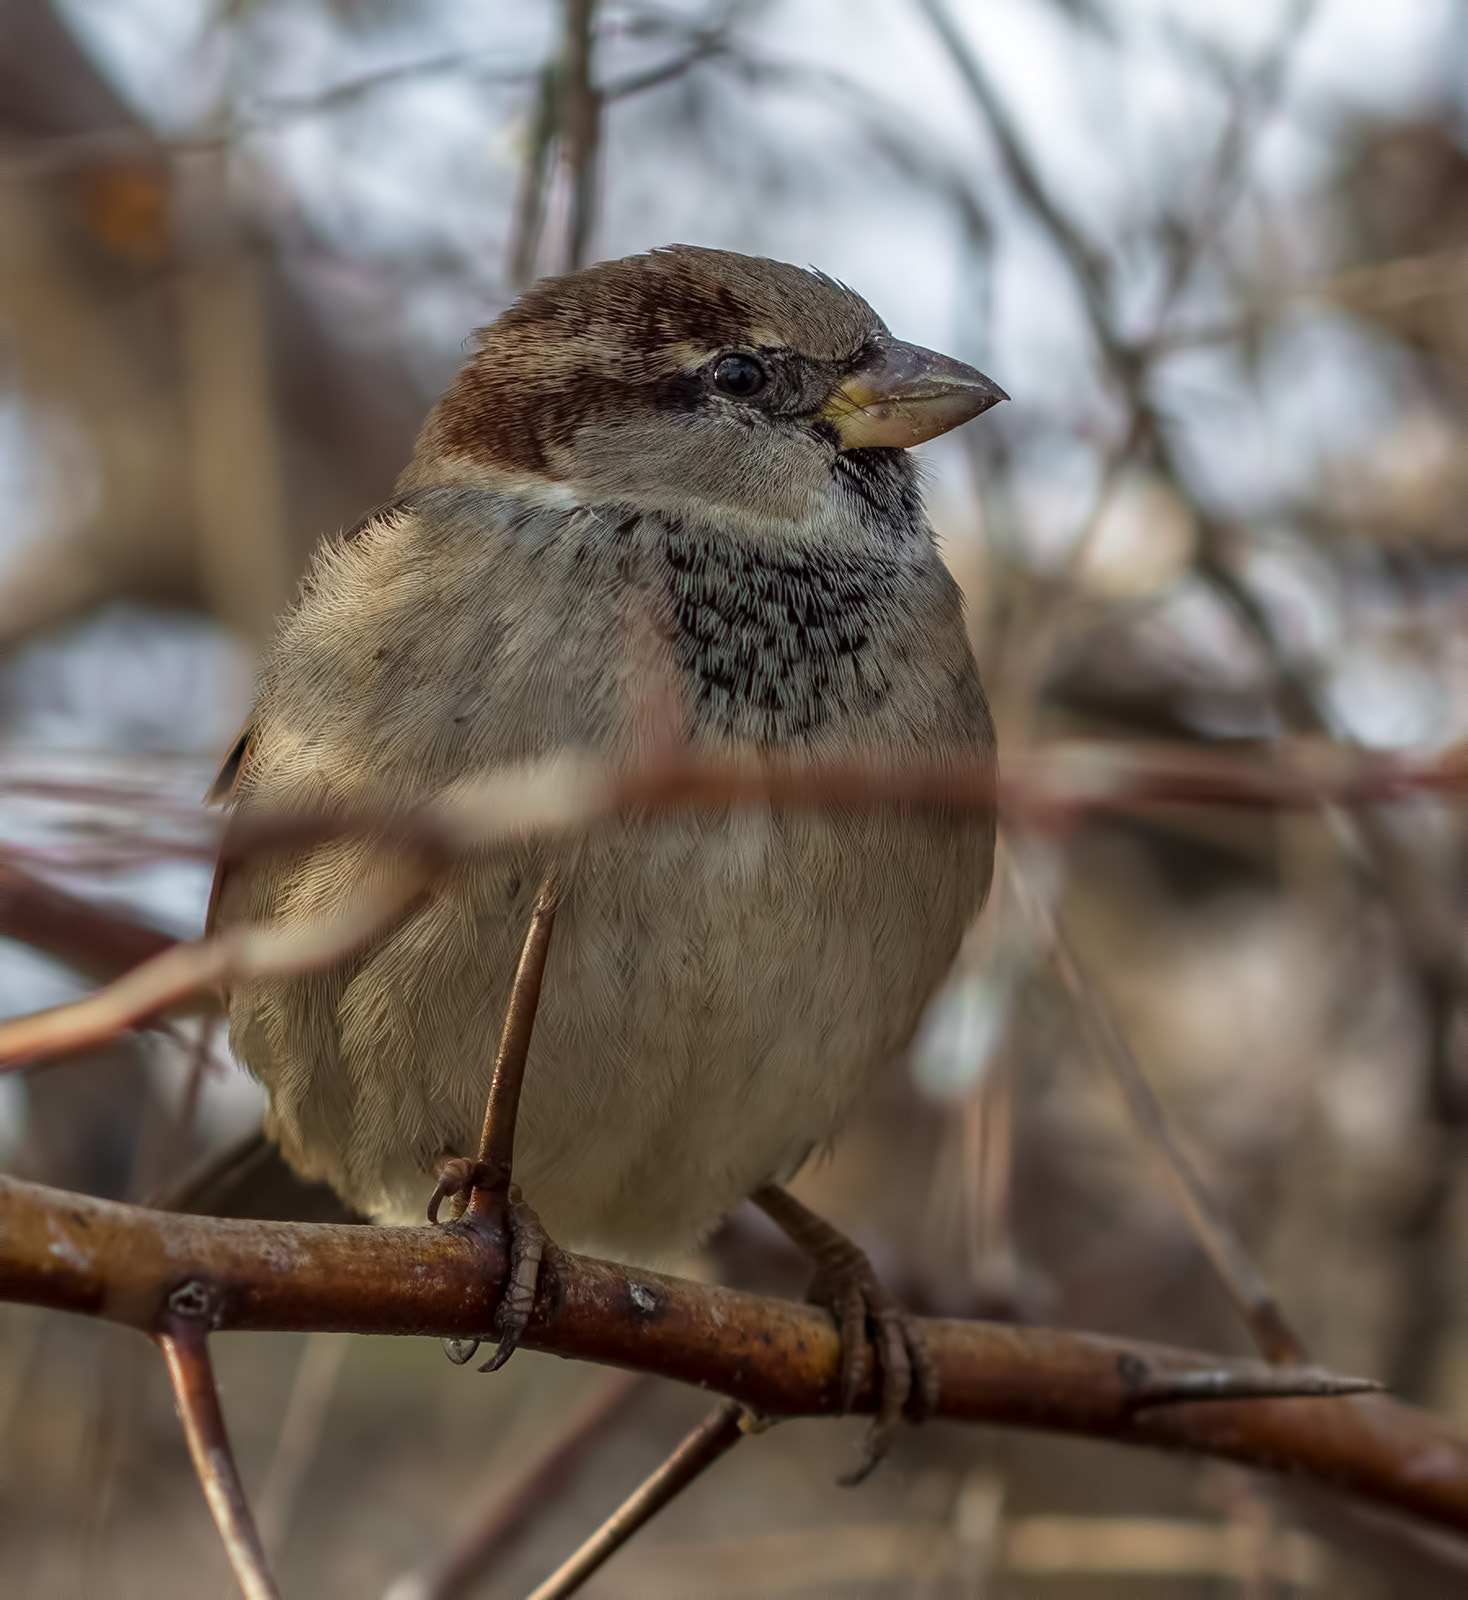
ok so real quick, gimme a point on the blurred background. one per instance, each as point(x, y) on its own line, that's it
point(1219, 257)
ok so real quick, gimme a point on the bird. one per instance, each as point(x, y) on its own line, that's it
point(669, 495)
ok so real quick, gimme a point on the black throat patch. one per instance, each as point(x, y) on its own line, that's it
point(776, 645)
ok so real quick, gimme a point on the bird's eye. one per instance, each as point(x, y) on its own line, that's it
point(738, 375)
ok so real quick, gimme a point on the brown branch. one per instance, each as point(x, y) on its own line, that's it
point(139, 1267)
point(495, 1165)
point(530, 195)
point(580, 116)
point(712, 1439)
point(566, 794)
point(185, 1347)
point(95, 942)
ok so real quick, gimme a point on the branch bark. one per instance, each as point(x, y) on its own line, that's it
point(185, 1347)
point(142, 1268)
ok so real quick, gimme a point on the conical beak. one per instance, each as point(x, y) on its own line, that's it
point(906, 394)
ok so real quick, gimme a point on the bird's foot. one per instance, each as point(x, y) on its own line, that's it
point(457, 1176)
point(847, 1285)
point(529, 1246)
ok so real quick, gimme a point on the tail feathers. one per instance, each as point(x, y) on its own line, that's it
point(250, 1178)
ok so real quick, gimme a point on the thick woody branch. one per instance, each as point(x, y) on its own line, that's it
point(140, 1267)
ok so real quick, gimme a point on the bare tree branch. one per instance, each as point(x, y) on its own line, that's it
point(185, 1347)
point(139, 1267)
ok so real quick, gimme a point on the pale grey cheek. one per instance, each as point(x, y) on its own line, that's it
point(688, 464)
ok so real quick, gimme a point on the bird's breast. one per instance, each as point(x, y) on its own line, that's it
point(773, 646)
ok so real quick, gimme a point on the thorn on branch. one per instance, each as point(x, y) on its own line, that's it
point(1143, 1385)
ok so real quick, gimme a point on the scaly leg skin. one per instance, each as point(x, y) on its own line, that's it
point(846, 1284)
point(529, 1246)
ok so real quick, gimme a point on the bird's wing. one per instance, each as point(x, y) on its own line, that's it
point(249, 1177)
point(222, 792)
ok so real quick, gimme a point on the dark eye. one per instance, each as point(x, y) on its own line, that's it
point(738, 375)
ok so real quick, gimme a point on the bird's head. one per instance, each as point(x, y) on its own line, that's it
point(694, 381)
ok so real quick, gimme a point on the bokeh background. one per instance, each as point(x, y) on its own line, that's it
point(1219, 257)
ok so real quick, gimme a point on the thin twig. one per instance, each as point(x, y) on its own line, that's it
point(565, 795)
point(189, 969)
point(1242, 1280)
point(185, 1347)
point(495, 1163)
point(300, 1434)
point(509, 1517)
point(712, 1439)
point(1086, 258)
point(580, 119)
point(530, 197)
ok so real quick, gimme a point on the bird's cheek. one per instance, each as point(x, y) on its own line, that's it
point(703, 467)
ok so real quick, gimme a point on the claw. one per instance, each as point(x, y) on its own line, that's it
point(848, 1286)
point(904, 1362)
point(457, 1176)
point(528, 1247)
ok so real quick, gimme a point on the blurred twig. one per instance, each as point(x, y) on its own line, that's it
point(300, 1434)
point(712, 1439)
point(505, 1521)
point(565, 794)
point(529, 215)
point(1244, 1283)
point(580, 118)
point(98, 943)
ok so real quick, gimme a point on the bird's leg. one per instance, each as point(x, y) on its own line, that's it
point(847, 1285)
point(482, 1188)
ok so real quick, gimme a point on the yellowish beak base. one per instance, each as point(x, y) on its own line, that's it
point(906, 395)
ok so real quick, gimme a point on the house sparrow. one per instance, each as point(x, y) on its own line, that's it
point(677, 479)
